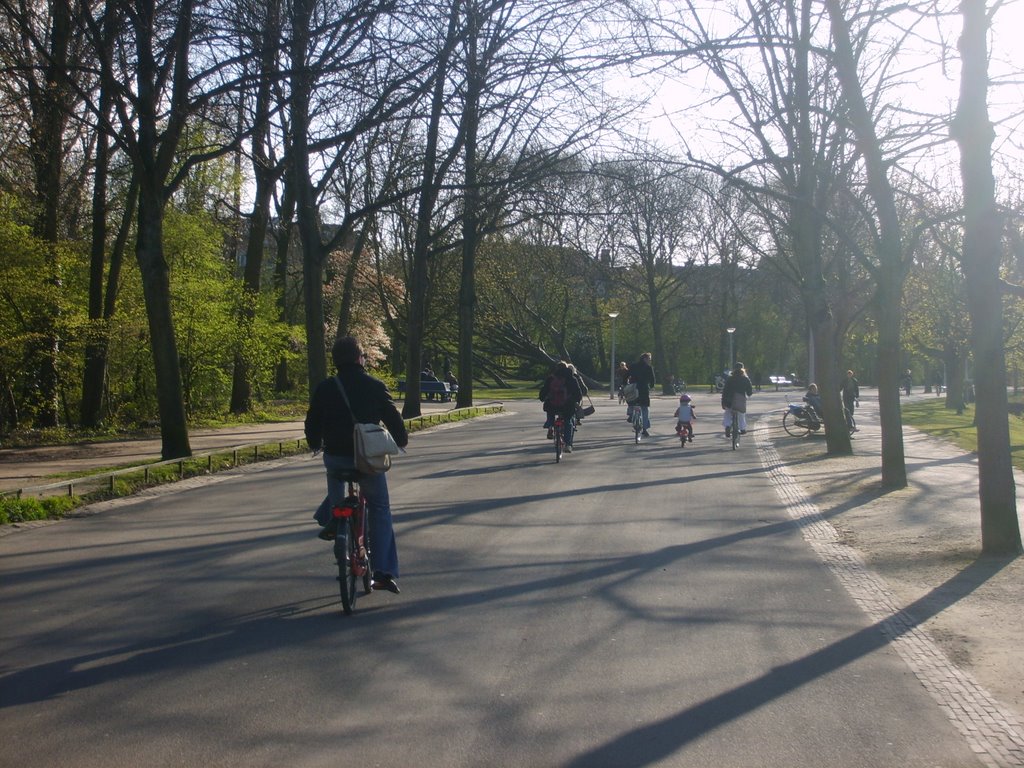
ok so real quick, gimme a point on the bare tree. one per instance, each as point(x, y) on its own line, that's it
point(261, 24)
point(785, 109)
point(653, 205)
point(982, 256)
point(892, 262)
point(351, 71)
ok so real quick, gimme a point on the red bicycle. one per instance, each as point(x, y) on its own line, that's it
point(561, 446)
point(352, 543)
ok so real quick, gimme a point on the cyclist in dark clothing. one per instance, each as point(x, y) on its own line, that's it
point(850, 390)
point(560, 394)
point(642, 374)
point(734, 395)
point(329, 426)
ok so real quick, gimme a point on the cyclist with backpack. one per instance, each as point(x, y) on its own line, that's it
point(560, 394)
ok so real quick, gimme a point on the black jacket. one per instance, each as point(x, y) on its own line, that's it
point(328, 421)
point(850, 388)
point(642, 374)
point(735, 383)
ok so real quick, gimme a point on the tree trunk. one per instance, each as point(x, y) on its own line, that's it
point(973, 132)
point(889, 312)
point(307, 215)
point(471, 214)
point(806, 225)
point(103, 299)
point(50, 104)
point(348, 291)
point(891, 273)
point(157, 293)
point(424, 216)
point(94, 373)
point(282, 377)
point(657, 332)
point(265, 177)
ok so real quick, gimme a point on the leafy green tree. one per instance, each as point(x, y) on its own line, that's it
point(202, 292)
point(23, 256)
point(28, 309)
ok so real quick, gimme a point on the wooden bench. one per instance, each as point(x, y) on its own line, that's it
point(780, 381)
point(432, 389)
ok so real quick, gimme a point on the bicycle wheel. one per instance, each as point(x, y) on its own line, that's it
point(793, 425)
point(345, 551)
point(735, 430)
point(638, 425)
point(559, 437)
point(367, 567)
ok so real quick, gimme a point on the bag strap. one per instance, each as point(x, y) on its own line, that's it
point(344, 396)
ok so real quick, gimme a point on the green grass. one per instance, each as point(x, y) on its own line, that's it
point(269, 413)
point(518, 390)
point(138, 477)
point(24, 510)
point(933, 418)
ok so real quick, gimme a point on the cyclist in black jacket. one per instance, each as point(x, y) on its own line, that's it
point(642, 374)
point(329, 426)
point(735, 393)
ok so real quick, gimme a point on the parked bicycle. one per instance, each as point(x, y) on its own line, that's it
point(352, 544)
point(800, 420)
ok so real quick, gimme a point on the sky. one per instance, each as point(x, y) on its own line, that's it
point(671, 119)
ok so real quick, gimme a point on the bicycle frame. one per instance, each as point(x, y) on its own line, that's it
point(352, 545)
point(638, 422)
point(559, 428)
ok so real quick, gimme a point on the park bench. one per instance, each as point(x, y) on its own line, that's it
point(431, 389)
point(780, 381)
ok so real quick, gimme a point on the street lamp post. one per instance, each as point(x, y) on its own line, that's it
point(611, 382)
point(730, 331)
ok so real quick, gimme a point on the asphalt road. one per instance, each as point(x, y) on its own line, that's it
point(632, 606)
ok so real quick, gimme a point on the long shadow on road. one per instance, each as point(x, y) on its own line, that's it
point(654, 742)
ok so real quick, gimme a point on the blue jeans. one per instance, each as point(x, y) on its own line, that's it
point(645, 414)
point(383, 547)
point(567, 420)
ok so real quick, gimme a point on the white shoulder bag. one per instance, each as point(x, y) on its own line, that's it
point(374, 445)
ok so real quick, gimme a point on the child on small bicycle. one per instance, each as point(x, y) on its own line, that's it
point(685, 415)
